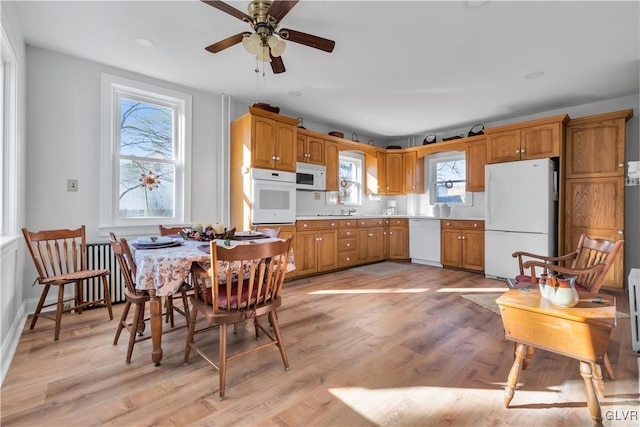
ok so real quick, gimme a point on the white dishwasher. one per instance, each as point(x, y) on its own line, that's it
point(424, 241)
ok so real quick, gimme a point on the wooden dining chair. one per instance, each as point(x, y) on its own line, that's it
point(590, 263)
point(60, 258)
point(136, 297)
point(271, 232)
point(242, 296)
point(185, 290)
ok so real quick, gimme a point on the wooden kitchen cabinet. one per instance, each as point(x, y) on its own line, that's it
point(413, 171)
point(535, 139)
point(393, 173)
point(462, 244)
point(593, 190)
point(347, 243)
point(273, 145)
point(398, 238)
point(332, 160)
point(310, 148)
point(370, 240)
point(476, 159)
point(316, 244)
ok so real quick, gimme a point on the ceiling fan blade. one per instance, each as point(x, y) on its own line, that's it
point(228, 42)
point(307, 39)
point(277, 65)
point(228, 9)
point(280, 8)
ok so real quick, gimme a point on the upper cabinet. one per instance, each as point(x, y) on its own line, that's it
point(393, 173)
point(535, 139)
point(587, 154)
point(476, 159)
point(331, 155)
point(413, 173)
point(270, 139)
point(310, 148)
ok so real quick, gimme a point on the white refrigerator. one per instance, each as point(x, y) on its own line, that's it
point(520, 213)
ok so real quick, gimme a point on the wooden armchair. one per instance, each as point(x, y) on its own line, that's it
point(60, 257)
point(185, 290)
point(133, 296)
point(590, 263)
point(242, 296)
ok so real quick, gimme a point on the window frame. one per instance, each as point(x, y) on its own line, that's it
point(432, 166)
point(114, 88)
point(359, 160)
point(9, 131)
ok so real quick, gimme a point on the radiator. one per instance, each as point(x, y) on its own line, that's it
point(100, 256)
point(634, 307)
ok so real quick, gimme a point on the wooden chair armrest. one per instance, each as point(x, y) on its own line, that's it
point(559, 269)
point(546, 259)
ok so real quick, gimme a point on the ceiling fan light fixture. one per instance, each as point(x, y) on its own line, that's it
point(263, 54)
point(277, 46)
point(252, 43)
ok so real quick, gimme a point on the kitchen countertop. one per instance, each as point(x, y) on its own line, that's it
point(360, 216)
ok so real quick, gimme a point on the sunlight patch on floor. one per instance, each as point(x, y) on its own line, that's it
point(412, 405)
point(369, 291)
point(472, 290)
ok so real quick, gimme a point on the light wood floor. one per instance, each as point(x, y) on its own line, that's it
point(364, 351)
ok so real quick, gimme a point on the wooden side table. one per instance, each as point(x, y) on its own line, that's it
point(582, 332)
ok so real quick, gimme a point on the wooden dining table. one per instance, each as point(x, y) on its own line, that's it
point(582, 332)
point(162, 269)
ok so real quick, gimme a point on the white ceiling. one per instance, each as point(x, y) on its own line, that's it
point(399, 68)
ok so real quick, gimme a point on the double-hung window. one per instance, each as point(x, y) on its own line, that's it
point(146, 147)
point(447, 179)
point(350, 183)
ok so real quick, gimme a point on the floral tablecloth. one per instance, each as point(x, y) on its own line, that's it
point(165, 269)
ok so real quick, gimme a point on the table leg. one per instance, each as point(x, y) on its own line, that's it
point(597, 380)
point(155, 306)
point(509, 390)
point(592, 400)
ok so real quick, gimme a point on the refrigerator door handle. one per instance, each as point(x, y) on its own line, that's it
point(487, 213)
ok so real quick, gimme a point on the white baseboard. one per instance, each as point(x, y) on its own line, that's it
point(10, 344)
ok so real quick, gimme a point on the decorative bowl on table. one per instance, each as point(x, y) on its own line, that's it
point(207, 234)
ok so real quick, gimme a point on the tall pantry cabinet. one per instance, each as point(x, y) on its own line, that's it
point(594, 165)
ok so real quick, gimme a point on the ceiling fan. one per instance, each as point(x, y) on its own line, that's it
point(264, 18)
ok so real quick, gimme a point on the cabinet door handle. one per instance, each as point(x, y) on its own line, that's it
point(370, 234)
point(620, 232)
point(475, 225)
point(304, 225)
point(522, 151)
point(318, 239)
point(463, 237)
point(274, 158)
point(348, 245)
point(348, 233)
point(517, 151)
point(620, 165)
point(348, 259)
point(459, 237)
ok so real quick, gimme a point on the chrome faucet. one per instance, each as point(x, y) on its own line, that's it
point(347, 211)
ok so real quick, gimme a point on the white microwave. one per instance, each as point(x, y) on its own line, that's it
point(310, 177)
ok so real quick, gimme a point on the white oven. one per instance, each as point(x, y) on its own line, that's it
point(310, 177)
point(274, 197)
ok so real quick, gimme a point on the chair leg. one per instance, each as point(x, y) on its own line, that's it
point(169, 310)
point(192, 327)
point(123, 320)
point(273, 319)
point(43, 297)
point(185, 307)
point(59, 308)
point(107, 296)
point(608, 367)
point(137, 313)
point(223, 359)
point(79, 297)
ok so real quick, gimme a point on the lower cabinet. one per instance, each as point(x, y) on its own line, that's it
point(316, 243)
point(462, 244)
point(347, 243)
point(398, 245)
point(370, 240)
